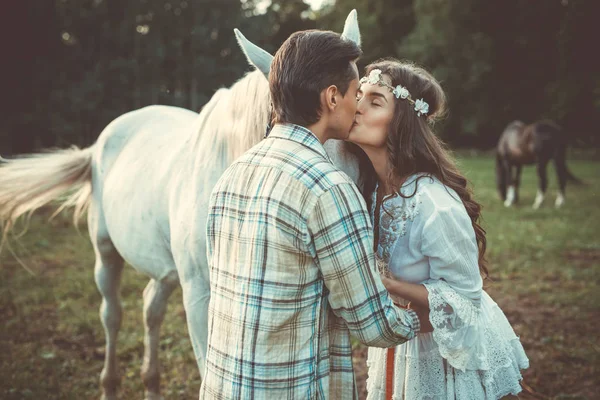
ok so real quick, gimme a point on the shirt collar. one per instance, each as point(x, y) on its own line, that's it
point(300, 135)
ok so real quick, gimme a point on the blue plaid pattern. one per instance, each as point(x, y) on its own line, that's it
point(292, 275)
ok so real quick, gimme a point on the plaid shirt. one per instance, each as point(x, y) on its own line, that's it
point(292, 274)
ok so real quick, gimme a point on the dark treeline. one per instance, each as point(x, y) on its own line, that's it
point(71, 66)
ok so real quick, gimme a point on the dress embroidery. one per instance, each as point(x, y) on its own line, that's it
point(396, 212)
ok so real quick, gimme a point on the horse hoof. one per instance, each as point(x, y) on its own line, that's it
point(507, 203)
point(153, 396)
point(539, 199)
point(560, 200)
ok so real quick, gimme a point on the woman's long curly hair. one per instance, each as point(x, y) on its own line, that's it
point(413, 148)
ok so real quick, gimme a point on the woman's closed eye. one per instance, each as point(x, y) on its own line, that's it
point(374, 103)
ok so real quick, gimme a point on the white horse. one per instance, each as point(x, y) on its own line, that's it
point(145, 185)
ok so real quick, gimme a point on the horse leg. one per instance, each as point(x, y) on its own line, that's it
point(107, 272)
point(561, 172)
point(196, 296)
point(543, 184)
point(192, 267)
point(517, 181)
point(501, 179)
point(156, 295)
point(510, 192)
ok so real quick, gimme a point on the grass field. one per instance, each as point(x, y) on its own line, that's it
point(545, 266)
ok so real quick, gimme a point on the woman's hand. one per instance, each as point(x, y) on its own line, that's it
point(387, 282)
point(413, 292)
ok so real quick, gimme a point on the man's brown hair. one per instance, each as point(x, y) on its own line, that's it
point(305, 64)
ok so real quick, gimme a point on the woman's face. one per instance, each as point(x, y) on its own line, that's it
point(374, 113)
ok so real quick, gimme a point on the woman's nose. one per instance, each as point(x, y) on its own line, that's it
point(359, 107)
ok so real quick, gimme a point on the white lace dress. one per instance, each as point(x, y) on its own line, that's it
point(473, 352)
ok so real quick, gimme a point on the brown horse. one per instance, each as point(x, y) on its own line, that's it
point(537, 143)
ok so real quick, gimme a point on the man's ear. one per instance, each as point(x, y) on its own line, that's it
point(331, 98)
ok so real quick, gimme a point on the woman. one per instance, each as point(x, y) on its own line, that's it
point(430, 248)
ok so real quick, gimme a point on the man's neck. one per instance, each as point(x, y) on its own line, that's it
point(319, 129)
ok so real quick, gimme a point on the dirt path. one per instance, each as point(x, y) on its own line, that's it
point(562, 346)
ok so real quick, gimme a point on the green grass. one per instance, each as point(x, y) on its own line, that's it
point(544, 263)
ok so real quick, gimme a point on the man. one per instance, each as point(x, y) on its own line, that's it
point(289, 244)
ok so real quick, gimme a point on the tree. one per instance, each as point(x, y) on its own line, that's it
point(30, 37)
point(383, 24)
point(447, 40)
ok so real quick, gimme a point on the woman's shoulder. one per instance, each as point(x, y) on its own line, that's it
point(431, 192)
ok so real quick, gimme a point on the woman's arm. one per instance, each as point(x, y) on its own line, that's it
point(416, 294)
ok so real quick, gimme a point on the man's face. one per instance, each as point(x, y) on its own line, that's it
point(347, 108)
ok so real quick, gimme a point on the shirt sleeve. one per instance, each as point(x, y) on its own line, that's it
point(455, 284)
point(342, 238)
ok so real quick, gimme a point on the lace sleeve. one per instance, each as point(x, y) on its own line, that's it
point(457, 327)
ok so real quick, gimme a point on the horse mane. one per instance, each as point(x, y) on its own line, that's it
point(233, 120)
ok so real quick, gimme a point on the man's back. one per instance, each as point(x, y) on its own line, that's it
point(285, 288)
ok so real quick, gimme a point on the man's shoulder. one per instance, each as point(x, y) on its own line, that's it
point(304, 164)
point(292, 162)
point(322, 176)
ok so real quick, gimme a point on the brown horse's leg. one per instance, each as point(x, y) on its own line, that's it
point(561, 172)
point(517, 182)
point(501, 177)
point(510, 191)
point(543, 183)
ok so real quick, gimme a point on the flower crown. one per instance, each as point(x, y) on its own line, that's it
point(400, 92)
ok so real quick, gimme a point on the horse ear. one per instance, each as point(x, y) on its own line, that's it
point(258, 57)
point(351, 30)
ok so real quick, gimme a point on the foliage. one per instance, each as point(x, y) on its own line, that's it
point(498, 61)
point(74, 65)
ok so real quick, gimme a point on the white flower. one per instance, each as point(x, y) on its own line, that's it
point(421, 107)
point(401, 92)
point(374, 77)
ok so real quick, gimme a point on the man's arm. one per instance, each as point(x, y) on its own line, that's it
point(343, 239)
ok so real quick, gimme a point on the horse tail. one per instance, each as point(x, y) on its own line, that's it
point(561, 159)
point(501, 177)
point(30, 182)
point(572, 178)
